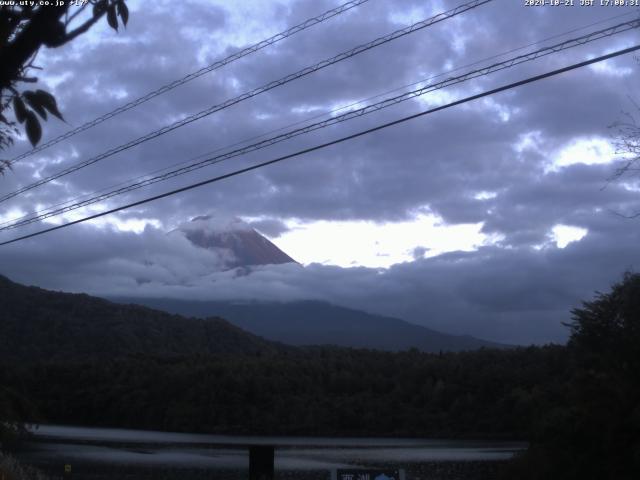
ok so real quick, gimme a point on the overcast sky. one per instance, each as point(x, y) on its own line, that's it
point(493, 218)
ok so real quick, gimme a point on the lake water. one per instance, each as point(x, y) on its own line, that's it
point(66, 444)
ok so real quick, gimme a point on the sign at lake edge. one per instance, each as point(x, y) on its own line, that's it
point(367, 474)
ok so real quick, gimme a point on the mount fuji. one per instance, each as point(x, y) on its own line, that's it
point(304, 322)
point(242, 245)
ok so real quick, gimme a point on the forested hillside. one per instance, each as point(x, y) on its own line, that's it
point(38, 324)
point(320, 323)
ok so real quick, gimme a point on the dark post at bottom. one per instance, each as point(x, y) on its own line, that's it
point(261, 462)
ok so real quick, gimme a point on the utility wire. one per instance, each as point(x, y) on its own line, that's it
point(192, 76)
point(590, 37)
point(333, 142)
point(95, 193)
point(269, 86)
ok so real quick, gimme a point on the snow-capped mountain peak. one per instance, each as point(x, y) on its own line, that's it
point(247, 246)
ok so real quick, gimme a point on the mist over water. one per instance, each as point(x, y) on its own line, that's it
point(63, 444)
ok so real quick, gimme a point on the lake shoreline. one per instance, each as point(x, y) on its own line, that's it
point(35, 427)
point(102, 454)
point(432, 470)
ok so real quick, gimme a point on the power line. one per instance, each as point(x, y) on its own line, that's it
point(333, 142)
point(245, 96)
point(192, 76)
point(571, 43)
point(308, 119)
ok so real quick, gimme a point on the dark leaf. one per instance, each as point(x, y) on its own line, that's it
point(34, 130)
point(123, 11)
point(99, 7)
point(48, 101)
point(111, 17)
point(19, 109)
point(34, 102)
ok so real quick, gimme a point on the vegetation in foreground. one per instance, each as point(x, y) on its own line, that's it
point(595, 432)
point(578, 405)
point(11, 469)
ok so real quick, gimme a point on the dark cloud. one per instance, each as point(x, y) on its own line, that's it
point(518, 295)
point(517, 289)
point(419, 252)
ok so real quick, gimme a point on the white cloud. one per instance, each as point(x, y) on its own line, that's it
point(588, 151)
point(410, 16)
point(484, 195)
point(529, 141)
point(375, 245)
point(563, 235)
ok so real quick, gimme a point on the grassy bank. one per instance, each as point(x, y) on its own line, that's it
point(12, 469)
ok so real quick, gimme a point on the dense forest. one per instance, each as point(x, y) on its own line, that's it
point(313, 391)
point(578, 405)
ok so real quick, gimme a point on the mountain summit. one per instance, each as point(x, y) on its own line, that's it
point(246, 246)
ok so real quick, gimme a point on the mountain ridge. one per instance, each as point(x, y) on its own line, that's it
point(311, 322)
point(42, 324)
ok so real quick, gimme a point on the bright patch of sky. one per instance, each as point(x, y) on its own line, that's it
point(563, 235)
point(458, 41)
point(528, 141)
point(136, 225)
point(375, 245)
point(409, 16)
point(503, 111)
point(609, 67)
point(11, 214)
point(235, 83)
point(484, 195)
point(263, 116)
point(117, 93)
point(631, 186)
point(589, 151)
point(246, 21)
point(307, 109)
point(53, 81)
point(349, 106)
point(133, 224)
point(437, 98)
